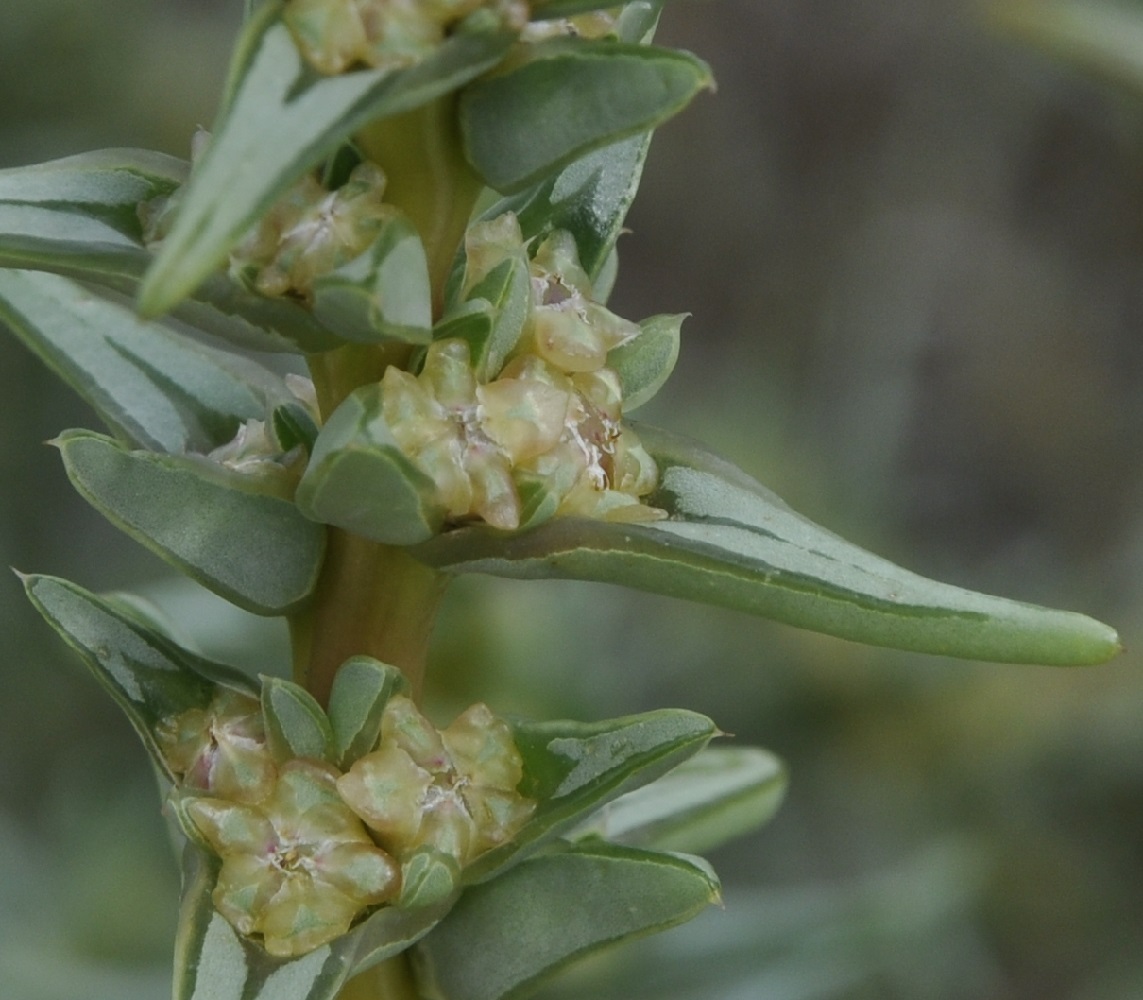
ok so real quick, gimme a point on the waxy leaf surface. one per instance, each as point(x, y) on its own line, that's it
point(568, 98)
point(152, 386)
point(719, 794)
point(504, 938)
point(79, 217)
point(729, 541)
point(572, 768)
point(361, 689)
point(148, 675)
point(281, 119)
point(253, 548)
point(296, 726)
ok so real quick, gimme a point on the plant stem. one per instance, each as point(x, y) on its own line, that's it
point(373, 600)
point(428, 177)
point(391, 980)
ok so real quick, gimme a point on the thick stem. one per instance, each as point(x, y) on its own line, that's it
point(373, 600)
point(429, 178)
point(391, 980)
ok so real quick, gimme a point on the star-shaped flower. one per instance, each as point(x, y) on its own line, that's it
point(299, 867)
point(221, 748)
point(453, 791)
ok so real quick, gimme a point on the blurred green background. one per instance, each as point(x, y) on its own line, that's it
point(913, 251)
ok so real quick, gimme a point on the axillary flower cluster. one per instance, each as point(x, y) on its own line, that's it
point(307, 848)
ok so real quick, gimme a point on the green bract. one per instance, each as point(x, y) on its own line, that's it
point(416, 204)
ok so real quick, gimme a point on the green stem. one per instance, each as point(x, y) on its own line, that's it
point(373, 600)
point(428, 178)
point(391, 980)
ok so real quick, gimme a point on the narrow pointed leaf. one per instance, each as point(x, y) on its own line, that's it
point(573, 768)
point(360, 480)
point(281, 120)
point(645, 363)
point(361, 689)
point(296, 726)
point(80, 217)
point(717, 795)
point(382, 294)
point(729, 541)
point(149, 384)
point(507, 289)
point(569, 98)
point(506, 937)
point(591, 196)
point(253, 548)
point(148, 675)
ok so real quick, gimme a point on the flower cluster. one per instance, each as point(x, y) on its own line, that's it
point(544, 435)
point(337, 35)
point(307, 849)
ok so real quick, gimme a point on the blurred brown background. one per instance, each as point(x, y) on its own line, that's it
point(913, 251)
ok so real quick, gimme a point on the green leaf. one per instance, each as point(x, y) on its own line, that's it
point(360, 480)
point(507, 290)
point(296, 726)
point(361, 689)
point(293, 426)
point(645, 363)
point(148, 675)
point(79, 217)
point(1099, 38)
point(729, 541)
point(568, 98)
point(548, 9)
point(383, 293)
point(150, 385)
point(717, 795)
point(504, 938)
point(572, 768)
point(281, 120)
point(253, 548)
point(214, 962)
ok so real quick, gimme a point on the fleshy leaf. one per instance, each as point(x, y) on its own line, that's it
point(573, 768)
point(253, 548)
point(568, 98)
point(505, 937)
point(361, 689)
point(281, 120)
point(360, 480)
point(214, 962)
point(1100, 38)
point(383, 293)
point(149, 384)
point(645, 363)
point(148, 675)
point(507, 289)
point(79, 217)
point(729, 541)
point(296, 726)
point(719, 794)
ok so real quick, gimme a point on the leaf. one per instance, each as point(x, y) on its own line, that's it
point(505, 937)
point(547, 9)
point(1099, 38)
point(729, 541)
point(572, 768)
point(296, 726)
point(252, 548)
point(80, 217)
point(568, 98)
point(360, 480)
point(361, 689)
point(383, 293)
point(150, 385)
point(214, 962)
point(717, 795)
point(281, 120)
point(148, 675)
point(645, 363)
point(507, 292)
